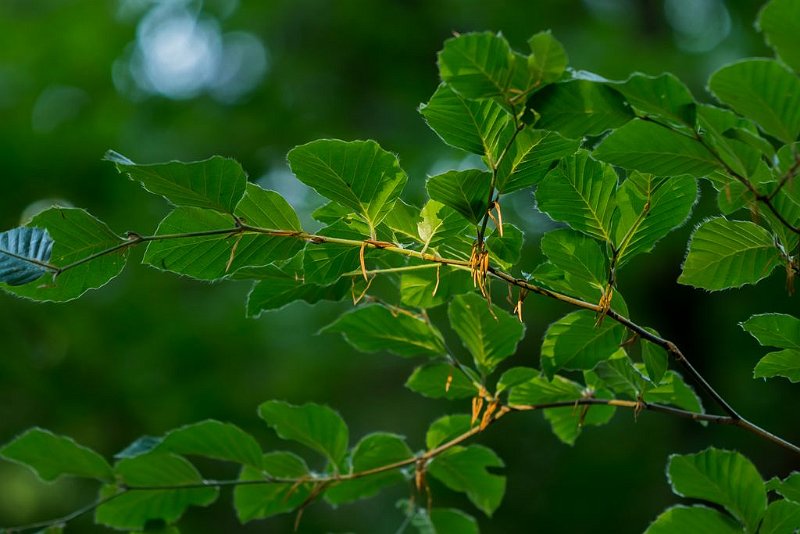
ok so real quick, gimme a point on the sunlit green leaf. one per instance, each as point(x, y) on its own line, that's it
point(446, 428)
point(465, 469)
point(621, 377)
point(785, 363)
point(548, 59)
point(52, 456)
point(653, 148)
point(376, 328)
point(762, 90)
point(725, 254)
point(358, 174)
point(722, 477)
point(476, 65)
point(577, 108)
point(136, 508)
point(576, 341)
point(774, 330)
point(76, 236)
point(373, 451)
point(530, 157)
point(577, 255)
point(659, 96)
point(216, 183)
point(489, 332)
point(472, 125)
point(441, 380)
point(258, 501)
point(313, 425)
point(213, 439)
point(693, 519)
point(467, 192)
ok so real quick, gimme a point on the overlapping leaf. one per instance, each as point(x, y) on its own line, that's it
point(663, 97)
point(465, 469)
point(467, 192)
point(576, 342)
point(476, 65)
point(777, 330)
point(530, 157)
point(258, 501)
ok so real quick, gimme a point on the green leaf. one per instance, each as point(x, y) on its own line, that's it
point(219, 253)
point(23, 251)
point(774, 330)
point(417, 287)
point(431, 381)
point(663, 96)
point(259, 501)
point(673, 390)
point(375, 328)
point(577, 108)
point(76, 236)
point(279, 286)
point(779, 20)
point(465, 469)
point(403, 220)
point(782, 517)
point(539, 390)
point(762, 90)
point(357, 174)
point(325, 263)
point(216, 183)
point(489, 333)
point(722, 477)
point(552, 277)
point(621, 377)
point(653, 148)
point(476, 65)
point(655, 358)
point(505, 250)
point(567, 423)
point(530, 157)
point(515, 376)
point(725, 254)
point(548, 59)
point(473, 126)
point(577, 255)
point(789, 488)
point(452, 521)
point(52, 456)
point(313, 425)
point(785, 363)
point(373, 451)
point(440, 224)
point(576, 342)
point(213, 439)
point(693, 519)
point(580, 192)
point(467, 192)
point(446, 428)
point(135, 509)
point(648, 208)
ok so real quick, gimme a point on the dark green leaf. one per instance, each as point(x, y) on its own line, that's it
point(648, 208)
point(655, 358)
point(325, 263)
point(216, 183)
point(76, 236)
point(725, 254)
point(762, 90)
point(213, 439)
point(577, 108)
point(568, 422)
point(23, 253)
point(653, 148)
point(530, 157)
point(417, 287)
point(432, 381)
point(52, 456)
point(576, 342)
point(621, 377)
point(452, 521)
point(673, 390)
point(467, 192)
point(663, 96)
point(680, 519)
point(470, 125)
point(135, 509)
point(505, 250)
point(313, 425)
point(774, 330)
point(375, 328)
point(465, 469)
point(782, 517)
point(722, 477)
point(446, 428)
point(779, 20)
point(490, 334)
point(476, 65)
point(373, 451)
point(358, 174)
point(580, 192)
point(258, 501)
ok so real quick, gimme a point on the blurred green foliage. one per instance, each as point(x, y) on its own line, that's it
point(152, 352)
